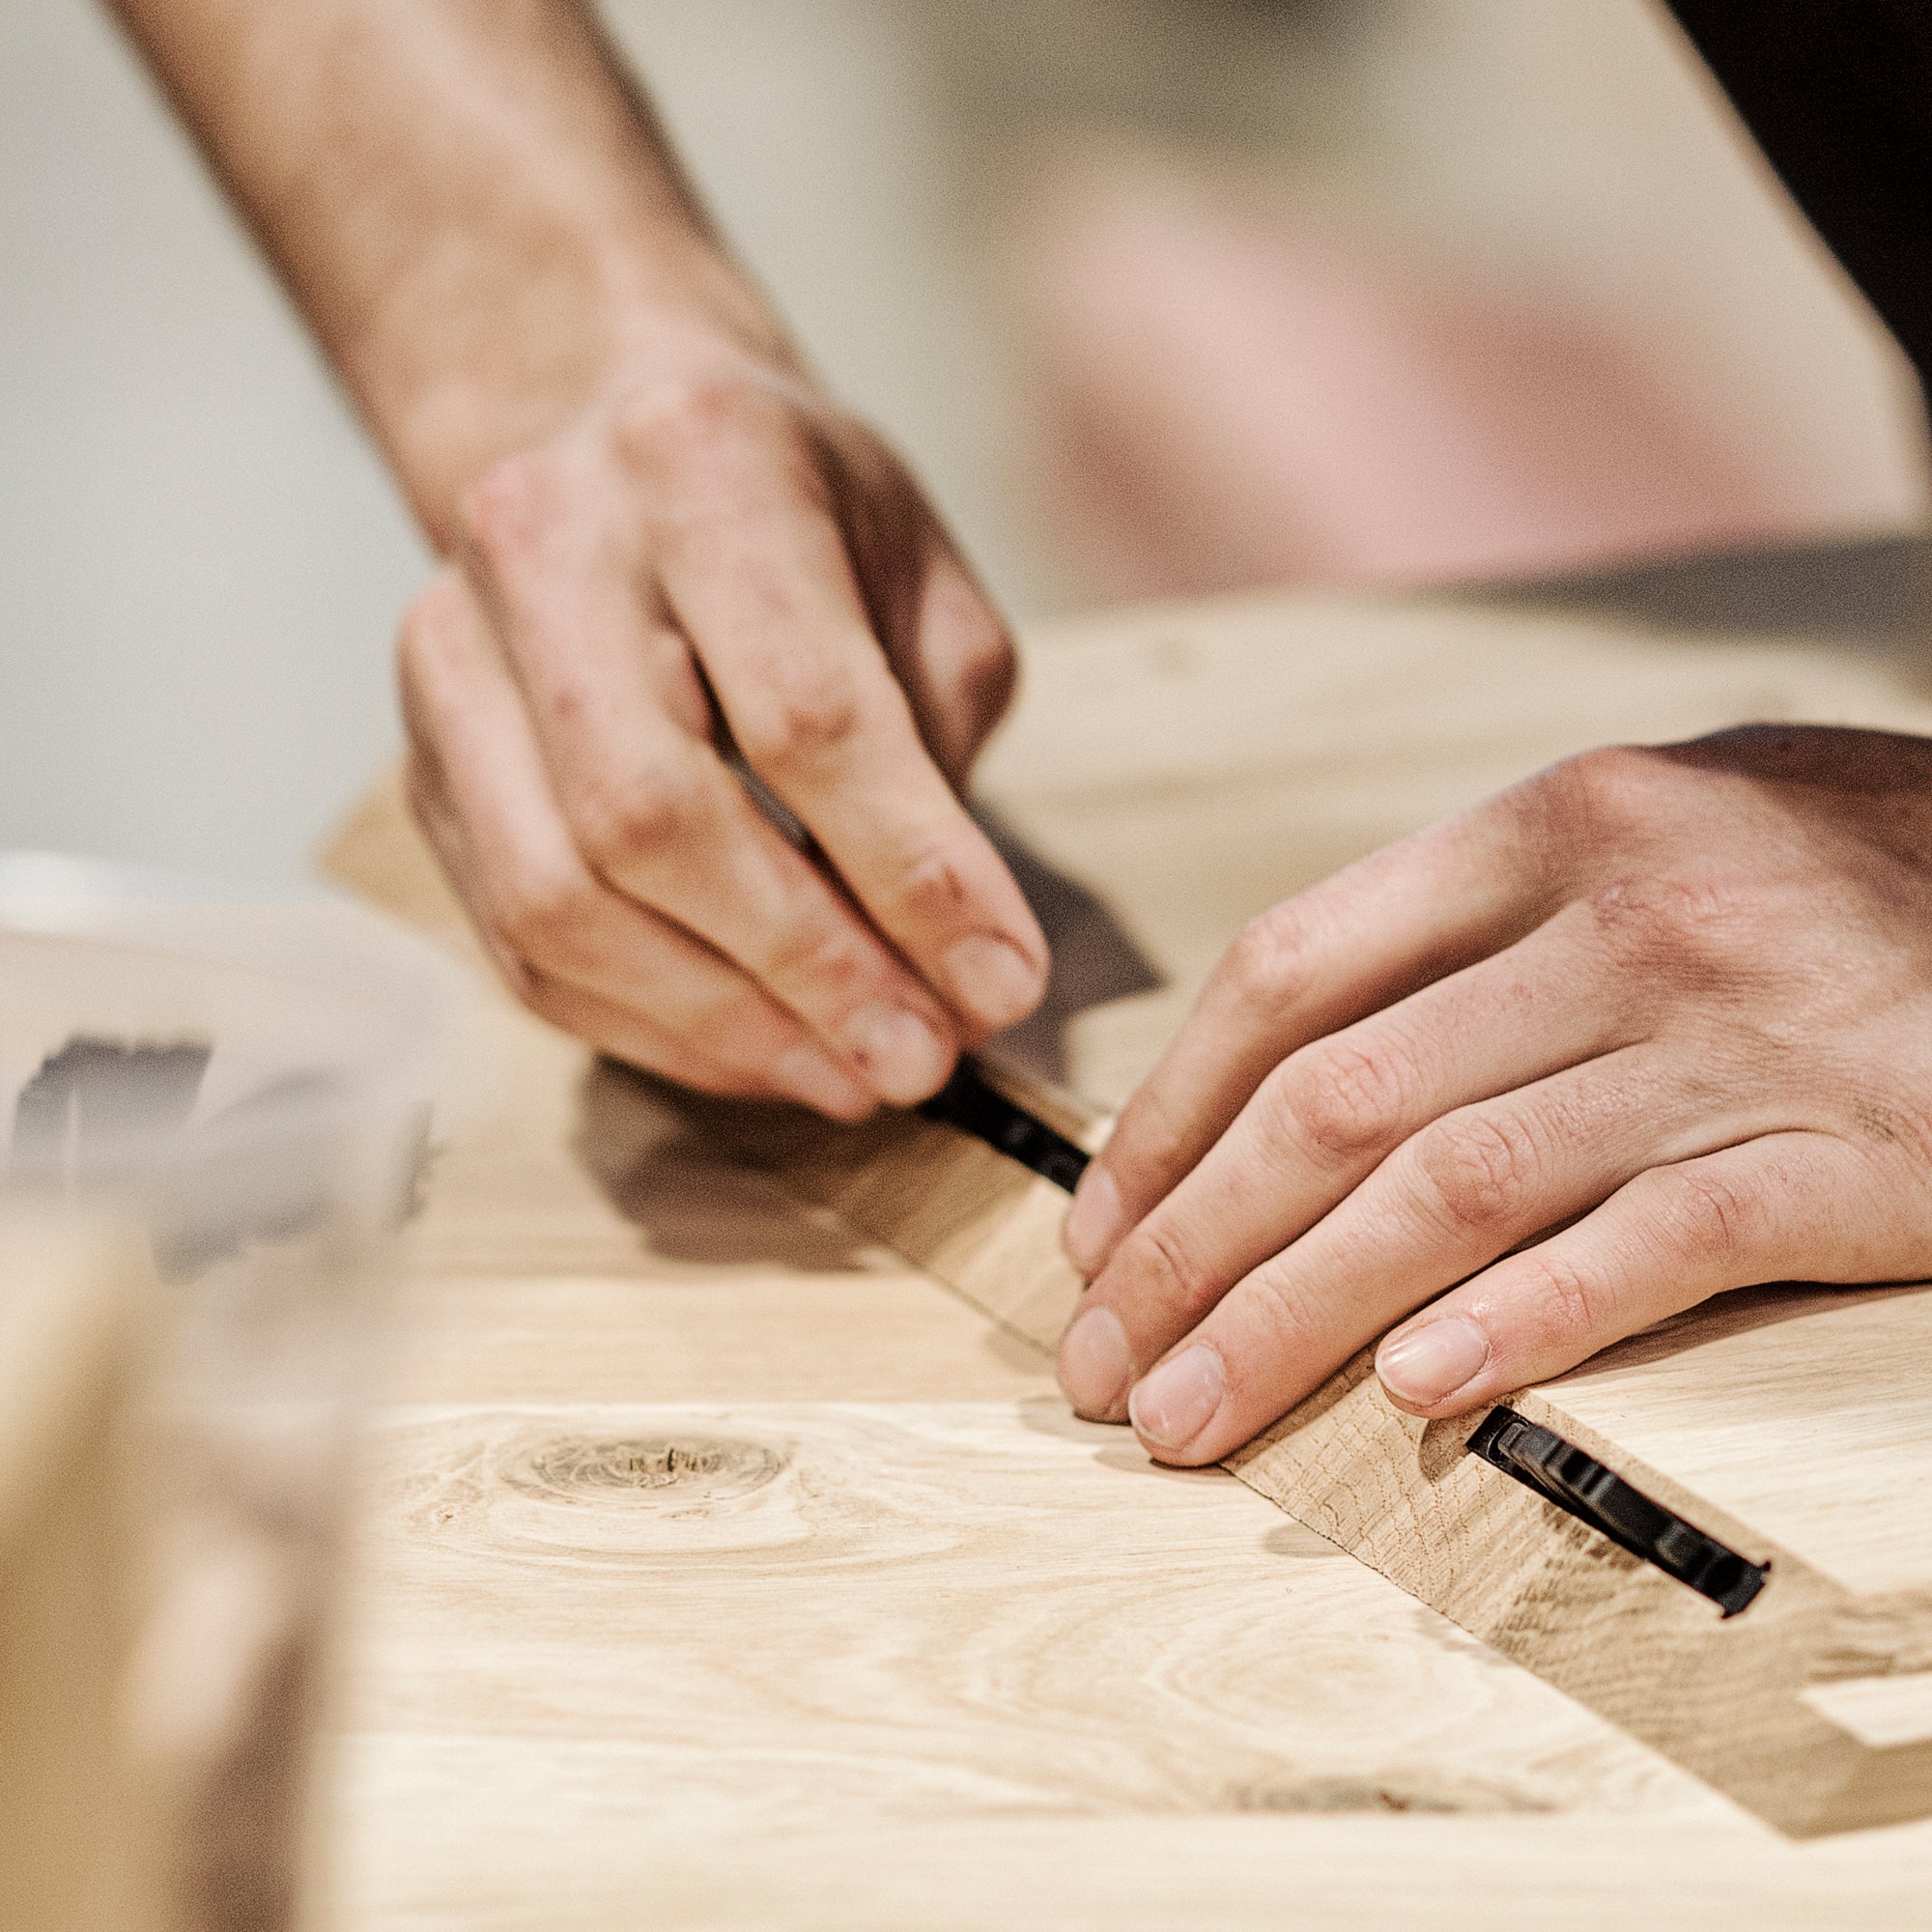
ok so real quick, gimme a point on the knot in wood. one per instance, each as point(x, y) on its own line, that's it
point(571, 1469)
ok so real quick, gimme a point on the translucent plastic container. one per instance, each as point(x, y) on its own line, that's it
point(242, 1087)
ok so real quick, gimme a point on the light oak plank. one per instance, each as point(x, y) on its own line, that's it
point(1799, 1412)
point(476, 1838)
point(904, 1609)
point(1193, 766)
point(1748, 1388)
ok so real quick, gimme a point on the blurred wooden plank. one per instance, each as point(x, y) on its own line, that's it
point(71, 1858)
point(507, 1834)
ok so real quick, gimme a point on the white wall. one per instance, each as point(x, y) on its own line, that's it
point(200, 567)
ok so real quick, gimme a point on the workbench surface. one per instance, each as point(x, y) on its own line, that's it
point(720, 1570)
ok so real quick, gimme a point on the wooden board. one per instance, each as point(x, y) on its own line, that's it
point(903, 1711)
point(1795, 1426)
point(1195, 767)
point(1745, 1702)
point(721, 1569)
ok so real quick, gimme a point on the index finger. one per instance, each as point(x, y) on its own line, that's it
point(656, 812)
point(1378, 930)
point(768, 598)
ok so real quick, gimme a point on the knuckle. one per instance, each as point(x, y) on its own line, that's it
point(1475, 1172)
point(988, 670)
point(1141, 1153)
point(684, 419)
point(1568, 1301)
point(1609, 789)
point(822, 955)
point(428, 636)
point(1156, 1259)
point(1267, 967)
point(1702, 1215)
point(972, 656)
point(541, 918)
point(1686, 924)
point(643, 818)
point(512, 514)
point(1279, 1301)
point(1346, 1097)
point(802, 721)
point(934, 888)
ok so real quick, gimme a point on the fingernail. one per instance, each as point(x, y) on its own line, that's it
point(1093, 1222)
point(1174, 1404)
point(903, 1058)
point(1094, 1364)
point(818, 1079)
point(996, 981)
point(1422, 1365)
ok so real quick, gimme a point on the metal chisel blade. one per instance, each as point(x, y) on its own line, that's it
point(970, 1103)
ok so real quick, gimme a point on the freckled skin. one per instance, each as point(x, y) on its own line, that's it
point(1655, 1024)
point(663, 548)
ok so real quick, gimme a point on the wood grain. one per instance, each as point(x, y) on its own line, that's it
point(1704, 1416)
point(1195, 765)
point(1829, 1385)
point(845, 1605)
point(1725, 1698)
point(502, 1764)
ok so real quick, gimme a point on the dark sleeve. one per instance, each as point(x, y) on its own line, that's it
point(1838, 94)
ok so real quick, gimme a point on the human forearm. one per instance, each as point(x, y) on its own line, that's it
point(664, 550)
point(470, 204)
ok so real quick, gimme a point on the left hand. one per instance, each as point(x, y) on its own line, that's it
point(1655, 1024)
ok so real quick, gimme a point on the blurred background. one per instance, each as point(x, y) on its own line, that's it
point(1162, 296)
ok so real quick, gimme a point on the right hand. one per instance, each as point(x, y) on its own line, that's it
point(711, 557)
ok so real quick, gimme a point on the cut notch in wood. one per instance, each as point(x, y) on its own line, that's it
point(1581, 1486)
